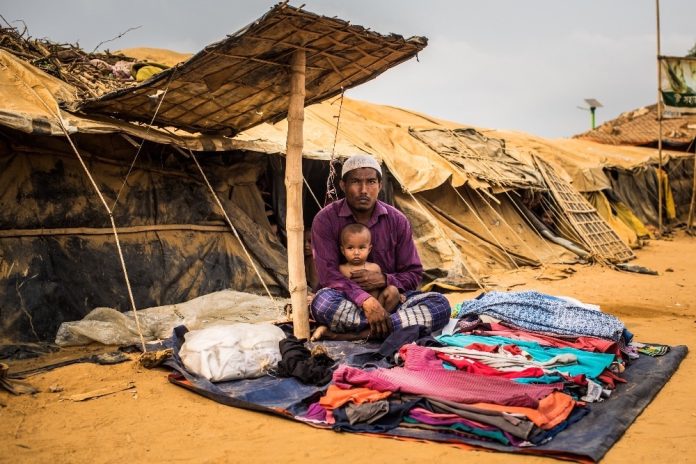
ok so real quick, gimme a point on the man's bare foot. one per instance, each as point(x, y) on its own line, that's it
point(323, 333)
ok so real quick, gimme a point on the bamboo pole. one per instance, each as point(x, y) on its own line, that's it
point(294, 221)
point(659, 124)
point(690, 220)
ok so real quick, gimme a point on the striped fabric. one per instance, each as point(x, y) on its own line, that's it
point(331, 308)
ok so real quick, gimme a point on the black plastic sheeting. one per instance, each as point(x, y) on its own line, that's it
point(637, 188)
point(49, 279)
point(681, 179)
point(590, 438)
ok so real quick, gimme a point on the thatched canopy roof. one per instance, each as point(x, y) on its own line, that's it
point(241, 81)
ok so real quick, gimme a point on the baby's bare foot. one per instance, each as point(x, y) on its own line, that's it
point(319, 333)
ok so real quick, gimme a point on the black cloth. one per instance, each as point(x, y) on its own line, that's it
point(297, 361)
point(384, 356)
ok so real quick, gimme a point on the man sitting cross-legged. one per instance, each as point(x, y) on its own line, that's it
point(344, 305)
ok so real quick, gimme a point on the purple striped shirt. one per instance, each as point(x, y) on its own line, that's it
point(392, 248)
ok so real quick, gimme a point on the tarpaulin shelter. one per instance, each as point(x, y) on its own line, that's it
point(461, 187)
point(457, 187)
point(57, 256)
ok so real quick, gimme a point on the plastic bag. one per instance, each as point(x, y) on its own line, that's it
point(231, 352)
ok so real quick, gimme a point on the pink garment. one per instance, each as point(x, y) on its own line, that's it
point(424, 375)
point(436, 418)
point(315, 412)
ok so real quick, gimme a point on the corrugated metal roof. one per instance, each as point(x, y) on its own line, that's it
point(243, 80)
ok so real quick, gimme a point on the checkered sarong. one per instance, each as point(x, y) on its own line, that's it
point(331, 308)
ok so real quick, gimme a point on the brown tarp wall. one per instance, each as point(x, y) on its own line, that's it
point(485, 235)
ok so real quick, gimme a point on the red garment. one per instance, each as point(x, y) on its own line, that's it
point(609, 379)
point(512, 349)
point(477, 367)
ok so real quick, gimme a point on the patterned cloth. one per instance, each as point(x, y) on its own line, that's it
point(331, 308)
point(539, 312)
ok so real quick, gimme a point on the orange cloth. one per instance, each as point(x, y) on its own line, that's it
point(552, 410)
point(336, 397)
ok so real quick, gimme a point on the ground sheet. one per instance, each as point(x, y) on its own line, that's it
point(588, 439)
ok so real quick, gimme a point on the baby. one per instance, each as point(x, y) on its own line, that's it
point(355, 245)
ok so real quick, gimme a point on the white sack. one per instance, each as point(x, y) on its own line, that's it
point(231, 352)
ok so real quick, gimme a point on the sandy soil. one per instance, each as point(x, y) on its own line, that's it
point(157, 421)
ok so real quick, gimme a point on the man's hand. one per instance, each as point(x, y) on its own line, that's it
point(377, 318)
point(369, 280)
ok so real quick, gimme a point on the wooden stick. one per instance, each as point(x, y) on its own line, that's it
point(293, 185)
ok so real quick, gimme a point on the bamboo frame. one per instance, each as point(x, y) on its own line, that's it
point(9, 233)
point(601, 239)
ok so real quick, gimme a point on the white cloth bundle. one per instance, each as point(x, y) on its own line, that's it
point(231, 352)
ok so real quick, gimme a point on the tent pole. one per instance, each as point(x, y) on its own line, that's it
point(294, 222)
point(659, 123)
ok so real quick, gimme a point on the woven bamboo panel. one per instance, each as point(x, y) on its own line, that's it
point(597, 235)
point(482, 157)
point(242, 81)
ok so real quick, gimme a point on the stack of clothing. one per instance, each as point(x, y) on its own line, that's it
point(517, 380)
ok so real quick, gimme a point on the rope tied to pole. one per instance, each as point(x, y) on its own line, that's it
point(331, 194)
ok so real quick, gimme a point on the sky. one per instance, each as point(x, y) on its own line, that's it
point(502, 64)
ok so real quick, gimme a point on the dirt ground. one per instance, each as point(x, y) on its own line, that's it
point(157, 421)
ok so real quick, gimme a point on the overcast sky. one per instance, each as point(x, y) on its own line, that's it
point(506, 64)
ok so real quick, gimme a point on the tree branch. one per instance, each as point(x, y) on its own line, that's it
point(117, 37)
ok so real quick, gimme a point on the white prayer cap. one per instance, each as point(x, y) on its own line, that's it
point(360, 161)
